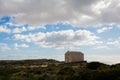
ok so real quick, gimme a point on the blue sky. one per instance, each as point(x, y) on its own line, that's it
point(46, 31)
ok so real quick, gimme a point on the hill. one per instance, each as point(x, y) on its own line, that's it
point(49, 69)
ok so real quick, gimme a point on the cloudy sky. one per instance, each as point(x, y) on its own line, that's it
point(35, 29)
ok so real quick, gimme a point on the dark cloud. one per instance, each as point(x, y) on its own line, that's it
point(77, 12)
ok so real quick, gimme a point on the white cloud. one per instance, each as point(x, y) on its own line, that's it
point(77, 12)
point(19, 30)
point(101, 47)
point(104, 29)
point(111, 59)
point(13, 23)
point(4, 29)
point(36, 27)
point(17, 46)
point(4, 47)
point(60, 39)
point(115, 43)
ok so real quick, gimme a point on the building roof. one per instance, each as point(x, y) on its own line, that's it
point(73, 52)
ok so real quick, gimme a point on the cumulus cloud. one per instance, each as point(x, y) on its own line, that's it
point(19, 30)
point(4, 47)
point(104, 29)
point(60, 38)
point(4, 29)
point(77, 12)
point(17, 46)
point(36, 27)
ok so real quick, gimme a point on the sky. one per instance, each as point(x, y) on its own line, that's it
point(37, 29)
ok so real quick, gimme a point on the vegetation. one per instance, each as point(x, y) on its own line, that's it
point(55, 70)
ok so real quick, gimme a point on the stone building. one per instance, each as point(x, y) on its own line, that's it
point(74, 56)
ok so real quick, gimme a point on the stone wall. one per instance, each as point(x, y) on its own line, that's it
point(73, 56)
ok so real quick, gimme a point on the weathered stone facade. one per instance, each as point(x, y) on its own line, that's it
point(74, 56)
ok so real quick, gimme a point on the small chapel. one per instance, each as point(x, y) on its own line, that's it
point(74, 56)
